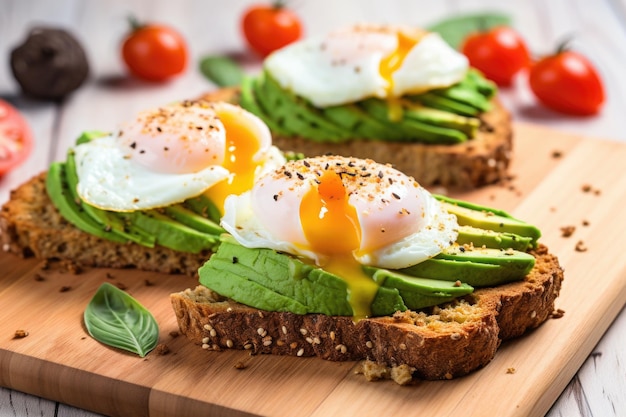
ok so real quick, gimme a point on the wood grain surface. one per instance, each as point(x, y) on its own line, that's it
point(572, 182)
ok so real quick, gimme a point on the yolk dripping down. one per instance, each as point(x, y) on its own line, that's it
point(389, 65)
point(241, 146)
point(332, 228)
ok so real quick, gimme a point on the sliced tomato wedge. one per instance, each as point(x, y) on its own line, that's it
point(16, 140)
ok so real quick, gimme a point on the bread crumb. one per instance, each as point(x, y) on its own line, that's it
point(556, 154)
point(587, 188)
point(402, 375)
point(121, 286)
point(65, 288)
point(240, 365)
point(39, 277)
point(109, 275)
point(71, 267)
point(148, 283)
point(161, 349)
point(174, 334)
point(557, 314)
point(585, 222)
point(510, 370)
point(567, 231)
point(373, 371)
point(20, 334)
point(580, 246)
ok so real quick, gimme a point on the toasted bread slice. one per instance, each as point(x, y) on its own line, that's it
point(480, 161)
point(439, 343)
point(30, 225)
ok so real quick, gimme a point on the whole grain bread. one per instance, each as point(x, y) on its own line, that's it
point(480, 161)
point(443, 342)
point(30, 225)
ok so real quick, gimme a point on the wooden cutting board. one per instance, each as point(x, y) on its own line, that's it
point(559, 180)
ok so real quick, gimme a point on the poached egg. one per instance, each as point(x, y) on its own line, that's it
point(365, 61)
point(175, 152)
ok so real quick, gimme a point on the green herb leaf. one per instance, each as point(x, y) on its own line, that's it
point(222, 70)
point(454, 29)
point(116, 319)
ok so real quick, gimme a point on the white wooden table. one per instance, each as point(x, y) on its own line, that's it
point(211, 27)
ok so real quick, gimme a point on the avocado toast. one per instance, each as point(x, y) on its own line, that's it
point(428, 292)
point(142, 196)
point(396, 95)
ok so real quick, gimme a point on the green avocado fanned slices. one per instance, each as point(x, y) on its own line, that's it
point(275, 278)
point(440, 116)
point(482, 217)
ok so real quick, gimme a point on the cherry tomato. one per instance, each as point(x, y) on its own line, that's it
point(270, 27)
point(568, 83)
point(499, 53)
point(154, 52)
point(16, 140)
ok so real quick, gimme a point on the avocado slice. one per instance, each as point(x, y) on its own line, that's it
point(466, 96)
point(467, 125)
point(474, 79)
point(468, 214)
point(472, 273)
point(352, 117)
point(470, 235)
point(419, 292)
point(519, 263)
point(203, 206)
point(70, 208)
point(192, 219)
point(436, 101)
point(232, 285)
point(170, 233)
point(413, 130)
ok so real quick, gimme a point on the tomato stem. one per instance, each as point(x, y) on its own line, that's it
point(564, 44)
point(134, 23)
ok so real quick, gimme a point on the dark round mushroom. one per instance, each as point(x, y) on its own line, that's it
point(50, 64)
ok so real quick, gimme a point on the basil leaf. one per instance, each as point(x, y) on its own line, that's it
point(454, 29)
point(116, 319)
point(222, 70)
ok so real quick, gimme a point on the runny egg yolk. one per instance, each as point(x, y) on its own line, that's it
point(331, 226)
point(390, 64)
point(241, 146)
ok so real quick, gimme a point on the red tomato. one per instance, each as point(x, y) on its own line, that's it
point(270, 27)
point(568, 83)
point(154, 52)
point(16, 140)
point(499, 53)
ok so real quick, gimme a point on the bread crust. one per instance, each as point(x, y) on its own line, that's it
point(480, 161)
point(30, 225)
point(439, 343)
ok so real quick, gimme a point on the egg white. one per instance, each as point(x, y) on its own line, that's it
point(108, 179)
